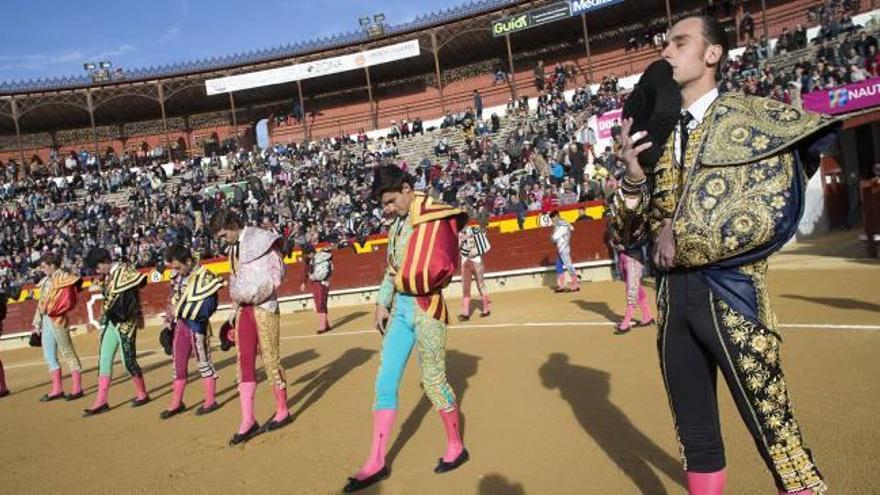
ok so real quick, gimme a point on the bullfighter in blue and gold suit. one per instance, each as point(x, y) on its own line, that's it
point(726, 193)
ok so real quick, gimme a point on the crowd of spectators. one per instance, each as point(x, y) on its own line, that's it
point(844, 53)
point(319, 191)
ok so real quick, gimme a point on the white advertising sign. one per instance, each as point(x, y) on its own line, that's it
point(317, 68)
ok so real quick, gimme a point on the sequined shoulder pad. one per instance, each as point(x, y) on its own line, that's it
point(744, 129)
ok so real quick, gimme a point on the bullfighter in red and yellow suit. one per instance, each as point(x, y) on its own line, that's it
point(422, 257)
point(58, 296)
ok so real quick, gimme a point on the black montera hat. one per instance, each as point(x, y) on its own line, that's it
point(655, 106)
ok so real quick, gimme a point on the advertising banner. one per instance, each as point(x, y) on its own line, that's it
point(578, 7)
point(855, 96)
point(531, 18)
point(606, 122)
point(312, 69)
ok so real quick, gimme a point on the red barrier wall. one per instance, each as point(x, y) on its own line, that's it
point(518, 250)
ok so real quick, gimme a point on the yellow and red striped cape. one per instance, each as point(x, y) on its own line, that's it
point(432, 257)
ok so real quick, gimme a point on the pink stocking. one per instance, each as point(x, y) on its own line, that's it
point(383, 420)
point(76, 379)
point(210, 386)
point(56, 382)
point(177, 387)
point(454, 445)
point(643, 304)
point(140, 387)
point(281, 410)
point(706, 483)
point(246, 399)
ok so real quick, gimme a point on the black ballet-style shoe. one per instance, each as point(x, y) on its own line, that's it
point(50, 398)
point(202, 410)
point(4, 393)
point(139, 402)
point(78, 395)
point(622, 330)
point(646, 323)
point(356, 485)
point(98, 410)
point(238, 438)
point(172, 412)
point(463, 317)
point(485, 314)
point(445, 467)
point(273, 425)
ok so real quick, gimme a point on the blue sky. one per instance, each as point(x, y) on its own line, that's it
point(48, 38)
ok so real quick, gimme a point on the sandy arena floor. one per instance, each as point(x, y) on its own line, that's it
point(553, 403)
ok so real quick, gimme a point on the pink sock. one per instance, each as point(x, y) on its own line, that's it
point(486, 303)
point(56, 382)
point(466, 306)
point(140, 387)
point(76, 379)
point(627, 316)
point(644, 306)
point(210, 386)
point(2, 378)
point(706, 483)
point(453, 434)
point(177, 388)
point(574, 283)
point(246, 401)
point(281, 410)
point(560, 281)
point(383, 420)
point(103, 390)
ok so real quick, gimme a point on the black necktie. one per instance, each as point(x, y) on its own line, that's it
point(683, 123)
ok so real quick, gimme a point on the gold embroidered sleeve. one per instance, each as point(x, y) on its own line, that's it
point(728, 211)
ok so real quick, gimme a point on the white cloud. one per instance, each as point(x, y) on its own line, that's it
point(169, 34)
point(34, 61)
point(123, 49)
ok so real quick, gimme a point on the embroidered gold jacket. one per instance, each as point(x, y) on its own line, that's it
point(737, 199)
point(121, 297)
point(194, 298)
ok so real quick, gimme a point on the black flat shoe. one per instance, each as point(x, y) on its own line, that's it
point(445, 467)
point(173, 412)
point(202, 410)
point(646, 323)
point(273, 425)
point(356, 485)
point(4, 393)
point(140, 402)
point(238, 438)
point(50, 398)
point(323, 330)
point(463, 318)
point(486, 314)
point(621, 330)
point(75, 396)
point(98, 410)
